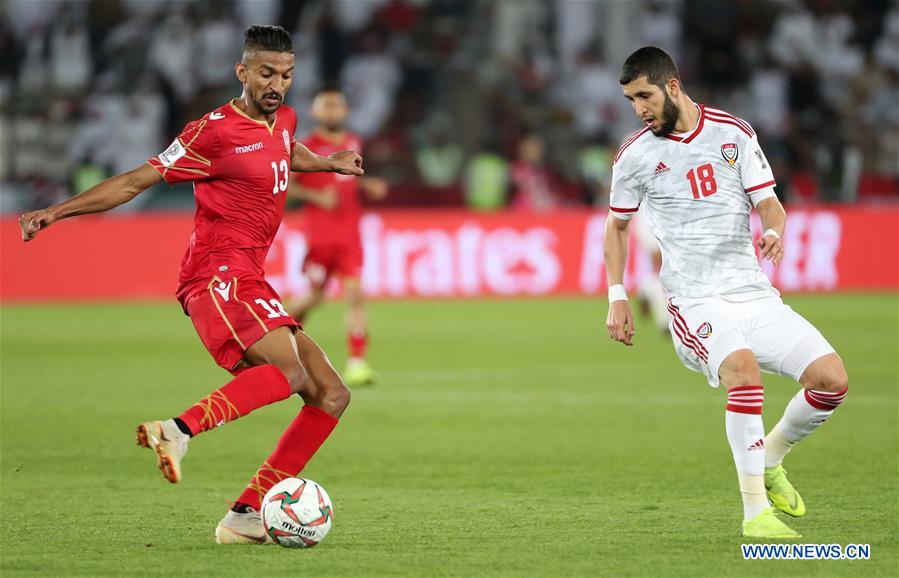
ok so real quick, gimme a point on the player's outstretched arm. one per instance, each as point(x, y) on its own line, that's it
point(620, 321)
point(774, 220)
point(109, 194)
point(304, 160)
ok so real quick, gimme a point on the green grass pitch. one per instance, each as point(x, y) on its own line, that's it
point(506, 438)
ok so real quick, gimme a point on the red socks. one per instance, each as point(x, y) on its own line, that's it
point(253, 388)
point(297, 445)
point(357, 342)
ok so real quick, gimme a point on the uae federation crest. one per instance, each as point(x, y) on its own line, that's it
point(730, 152)
point(286, 136)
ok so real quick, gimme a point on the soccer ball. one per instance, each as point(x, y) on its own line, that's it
point(297, 513)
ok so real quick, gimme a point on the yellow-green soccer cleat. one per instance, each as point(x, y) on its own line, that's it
point(781, 492)
point(768, 525)
point(358, 372)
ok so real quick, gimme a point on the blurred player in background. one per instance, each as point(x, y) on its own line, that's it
point(239, 158)
point(332, 215)
point(696, 171)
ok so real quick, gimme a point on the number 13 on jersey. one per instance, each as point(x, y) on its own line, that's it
point(282, 173)
point(702, 181)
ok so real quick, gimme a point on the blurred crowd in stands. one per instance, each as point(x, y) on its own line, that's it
point(489, 104)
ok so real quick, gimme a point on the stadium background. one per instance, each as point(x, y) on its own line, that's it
point(494, 123)
point(502, 108)
point(500, 117)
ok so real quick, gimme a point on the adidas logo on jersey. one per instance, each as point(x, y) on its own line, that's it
point(661, 168)
point(759, 445)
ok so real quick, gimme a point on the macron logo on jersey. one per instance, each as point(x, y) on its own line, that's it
point(661, 168)
point(248, 148)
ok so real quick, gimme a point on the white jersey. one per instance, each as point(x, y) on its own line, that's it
point(694, 189)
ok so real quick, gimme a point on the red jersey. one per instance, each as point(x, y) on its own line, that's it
point(342, 222)
point(240, 168)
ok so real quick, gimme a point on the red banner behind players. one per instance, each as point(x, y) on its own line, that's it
point(431, 254)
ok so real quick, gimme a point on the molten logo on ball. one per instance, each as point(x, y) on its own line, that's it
point(297, 513)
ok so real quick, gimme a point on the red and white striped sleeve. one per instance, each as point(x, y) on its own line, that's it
point(626, 194)
point(755, 171)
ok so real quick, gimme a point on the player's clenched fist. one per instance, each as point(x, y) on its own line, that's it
point(772, 248)
point(347, 163)
point(33, 222)
point(620, 322)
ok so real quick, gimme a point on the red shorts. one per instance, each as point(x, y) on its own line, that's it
point(233, 313)
point(324, 260)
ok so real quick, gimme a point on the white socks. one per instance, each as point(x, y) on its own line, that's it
point(753, 452)
point(746, 435)
point(804, 414)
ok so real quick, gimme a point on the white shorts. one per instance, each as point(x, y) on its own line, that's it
point(705, 331)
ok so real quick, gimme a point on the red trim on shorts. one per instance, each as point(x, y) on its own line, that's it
point(681, 323)
point(677, 331)
point(689, 340)
point(686, 341)
point(677, 314)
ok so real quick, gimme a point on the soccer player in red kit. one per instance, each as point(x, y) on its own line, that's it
point(332, 228)
point(239, 158)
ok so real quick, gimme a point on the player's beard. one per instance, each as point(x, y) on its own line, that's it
point(670, 114)
point(266, 109)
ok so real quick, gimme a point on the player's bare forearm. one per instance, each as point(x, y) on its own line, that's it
point(774, 220)
point(620, 320)
point(107, 195)
point(304, 160)
point(615, 249)
point(773, 215)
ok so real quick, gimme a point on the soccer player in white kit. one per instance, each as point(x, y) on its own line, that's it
point(694, 173)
